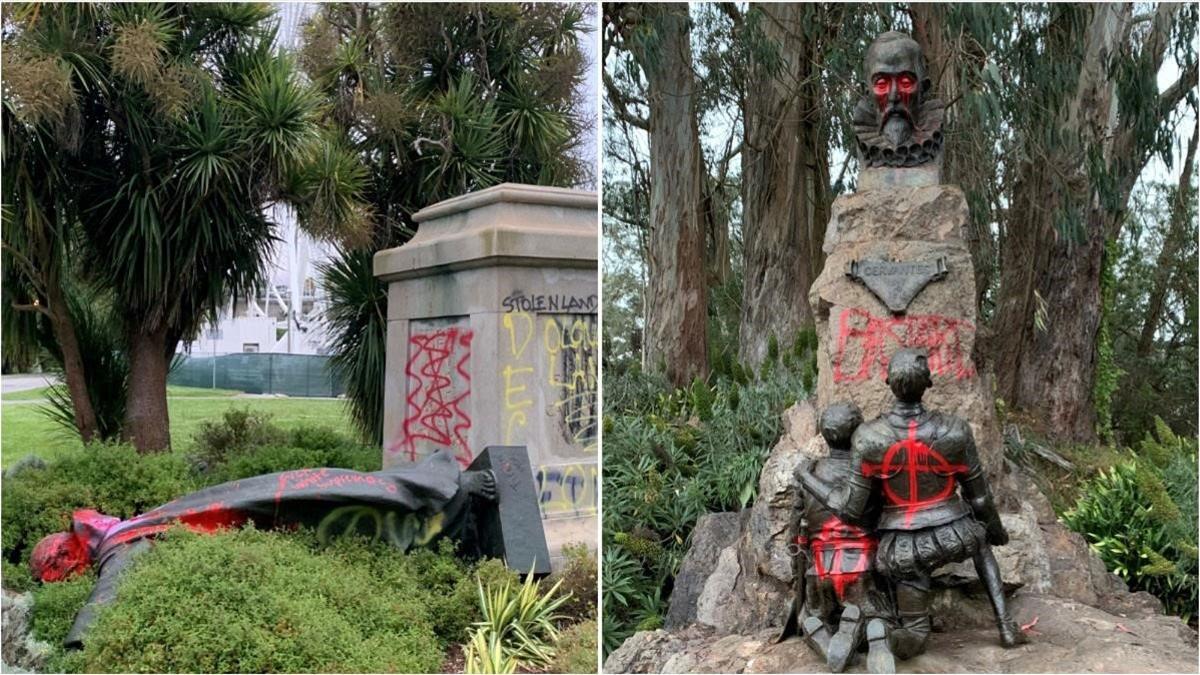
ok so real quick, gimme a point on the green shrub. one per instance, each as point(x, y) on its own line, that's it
point(670, 457)
point(1140, 518)
point(270, 459)
point(578, 581)
point(251, 601)
point(576, 650)
point(54, 609)
point(238, 430)
point(111, 478)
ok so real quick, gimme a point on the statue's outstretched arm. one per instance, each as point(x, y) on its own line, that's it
point(849, 500)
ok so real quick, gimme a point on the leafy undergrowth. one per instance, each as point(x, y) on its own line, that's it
point(672, 456)
point(251, 601)
point(1140, 516)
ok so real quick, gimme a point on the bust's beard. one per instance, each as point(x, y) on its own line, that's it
point(898, 130)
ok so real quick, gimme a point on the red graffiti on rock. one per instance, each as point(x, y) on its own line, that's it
point(435, 413)
point(865, 343)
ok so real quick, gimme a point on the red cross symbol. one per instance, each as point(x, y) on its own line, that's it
point(912, 457)
point(839, 537)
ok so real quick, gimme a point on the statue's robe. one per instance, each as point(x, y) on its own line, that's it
point(406, 506)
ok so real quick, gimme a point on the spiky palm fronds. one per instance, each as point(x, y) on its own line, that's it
point(357, 324)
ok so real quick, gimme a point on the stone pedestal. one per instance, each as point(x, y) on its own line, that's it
point(857, 334)
point(493, 340)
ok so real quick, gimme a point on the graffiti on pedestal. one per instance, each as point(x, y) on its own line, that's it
point(865, 341)
point(571, 350)
point(439, 389)
point(564, 347)
point(568, 490)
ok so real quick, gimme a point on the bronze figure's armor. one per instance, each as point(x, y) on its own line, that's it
point(916, 461)
point(836, 598)
point(897, 123)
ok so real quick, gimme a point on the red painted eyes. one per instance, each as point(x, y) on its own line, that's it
point(905, 84)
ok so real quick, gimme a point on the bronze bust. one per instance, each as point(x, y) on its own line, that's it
point(897, 123)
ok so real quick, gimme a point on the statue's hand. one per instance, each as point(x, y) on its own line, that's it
point(997, 536)
point(480, 484)
point(805, 467)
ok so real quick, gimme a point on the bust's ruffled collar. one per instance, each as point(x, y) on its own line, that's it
point(876, 150)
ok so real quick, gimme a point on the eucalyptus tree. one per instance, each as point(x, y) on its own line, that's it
point(1086, 113)
point(654, 42)
point(436, 100)
point(188, 125)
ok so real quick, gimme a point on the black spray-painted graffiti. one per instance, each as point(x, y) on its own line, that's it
point(518, 301)
point(571, 351)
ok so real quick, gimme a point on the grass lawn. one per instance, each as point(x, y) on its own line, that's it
point(24, 429)
point(172, 391)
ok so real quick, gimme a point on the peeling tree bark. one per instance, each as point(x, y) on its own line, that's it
point(785, 187)
point(677, 303)
point(1056, 278)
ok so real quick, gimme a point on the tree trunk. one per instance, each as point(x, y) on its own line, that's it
point(1048, 310)
point(785, 189)
point(147, 424)
point(677, 304)
point(72, 363)
point(1168, 257)
point(968, 151)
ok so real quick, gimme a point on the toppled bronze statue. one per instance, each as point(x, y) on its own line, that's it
point(836, 598)
point(405, 506)
point(908, 466)
point(897, 122)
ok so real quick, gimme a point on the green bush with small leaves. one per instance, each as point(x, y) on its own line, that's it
point(672, 456)
point(253, 601)
point(238, 430)
point(111, 478)
point(576, 650)
point(578, 582)
point(1140, 517)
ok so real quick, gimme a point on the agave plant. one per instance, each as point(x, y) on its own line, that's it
point(518, 627)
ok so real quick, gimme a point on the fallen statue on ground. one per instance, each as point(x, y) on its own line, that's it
point(903, 480)
point(490, 510)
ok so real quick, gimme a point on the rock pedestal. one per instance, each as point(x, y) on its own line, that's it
point(493, 340)
point(856, 332)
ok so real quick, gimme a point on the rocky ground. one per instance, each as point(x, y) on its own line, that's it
point(1068, 637)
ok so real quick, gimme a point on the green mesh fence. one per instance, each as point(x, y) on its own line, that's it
point(258, 373)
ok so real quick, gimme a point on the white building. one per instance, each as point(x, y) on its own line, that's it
point(285, 316)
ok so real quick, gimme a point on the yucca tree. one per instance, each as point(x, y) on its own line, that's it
point(437, 100)
point(189, 125)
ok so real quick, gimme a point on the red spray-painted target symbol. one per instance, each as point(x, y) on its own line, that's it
point(911, 457)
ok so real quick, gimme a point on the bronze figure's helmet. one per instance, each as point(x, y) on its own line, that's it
point(897, 123)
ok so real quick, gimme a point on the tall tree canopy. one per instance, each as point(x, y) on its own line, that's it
point(437, 100)
point(175, 127)
point(1055, 111)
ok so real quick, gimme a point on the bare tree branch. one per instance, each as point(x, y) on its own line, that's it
point(620, 102)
